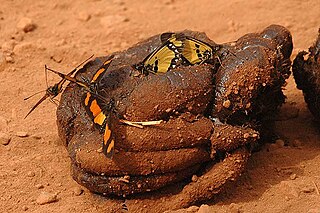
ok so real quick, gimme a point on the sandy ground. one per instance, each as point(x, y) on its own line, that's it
point(278, 178)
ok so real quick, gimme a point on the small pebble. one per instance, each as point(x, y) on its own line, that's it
point(293, 176)
point(24, 208)
point(204, 209)
point(194, 178)
point(26, 25)
point(9, 59)
point(193, 209)
point(77, 191)
point(4, 138)
point(39, 186)
point(46, 197)
point(31, 174)
point(22, 134)
point(84, 16)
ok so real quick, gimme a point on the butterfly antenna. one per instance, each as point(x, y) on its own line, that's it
point(86, 60)
point(34, 95)
point(37, 104)
point(46, 75)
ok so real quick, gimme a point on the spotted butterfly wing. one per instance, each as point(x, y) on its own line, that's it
point(165, 57)
point(196, 51)
point(103, 118)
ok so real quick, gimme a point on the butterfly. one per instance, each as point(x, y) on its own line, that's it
point(165, 57)
point(55, 90)
point(101, 111)
point(194, 51)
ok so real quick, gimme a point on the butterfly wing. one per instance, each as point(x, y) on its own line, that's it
point(101, 111)
point(103, 119)
point(196, 51)
point(165, 57)
point(99, 74)
point(108, 136)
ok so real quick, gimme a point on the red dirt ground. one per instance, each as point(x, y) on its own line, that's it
point(278, 178)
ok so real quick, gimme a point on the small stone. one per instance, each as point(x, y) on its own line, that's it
point(226, 104)
point(46, 197)
point(31, 174)
point(22, 134)
point(4, 138)
point(280, 143)
point(26, 25)
point(307, 189)
point(204, 209)
point(84, 16)
point(168, 110)
point(24, 208)
point(192, 209)
point(9, 59)
point(77, 191)
point(293, 176)
point(194, 178)
point(39, 186)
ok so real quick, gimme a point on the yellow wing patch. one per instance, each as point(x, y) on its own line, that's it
point(167, 56)
point(196, 51)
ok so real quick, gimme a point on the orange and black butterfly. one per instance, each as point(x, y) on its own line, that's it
point(53, 91)
point(101, 111)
